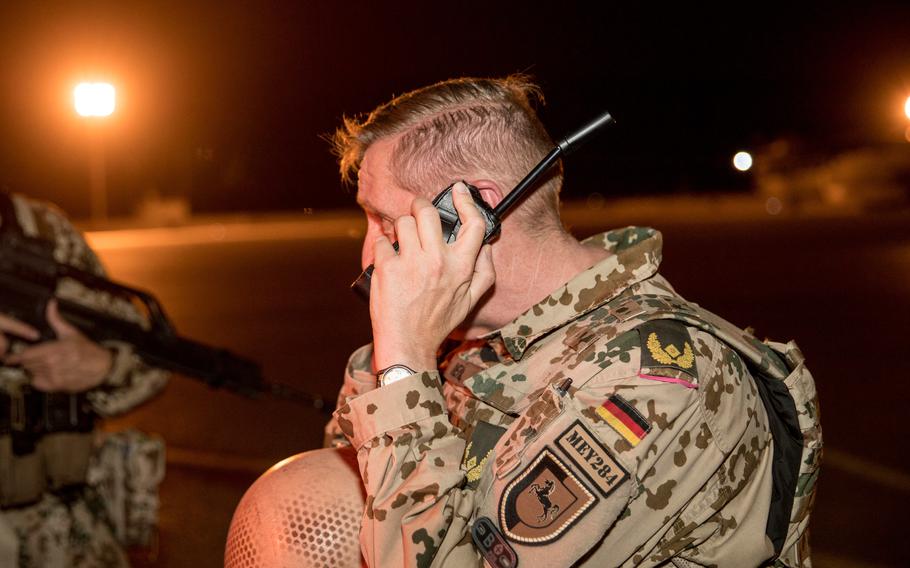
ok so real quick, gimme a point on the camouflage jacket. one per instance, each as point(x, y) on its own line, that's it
point(562, 439)
point(130, 381)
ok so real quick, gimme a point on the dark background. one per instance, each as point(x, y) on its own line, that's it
point(228, 103)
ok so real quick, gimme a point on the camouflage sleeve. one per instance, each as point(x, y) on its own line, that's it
point(129, 383)
point(358, 379)
point(409, 454)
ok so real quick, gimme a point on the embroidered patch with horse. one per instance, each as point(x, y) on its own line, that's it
point(543, 501)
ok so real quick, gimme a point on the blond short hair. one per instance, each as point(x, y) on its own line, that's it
point(459, 129)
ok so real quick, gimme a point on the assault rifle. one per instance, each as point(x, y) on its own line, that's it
point(29, 279)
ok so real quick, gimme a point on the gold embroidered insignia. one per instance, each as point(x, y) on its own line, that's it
point(477, 452)
point(465, 461)
point(475, 469)
point(671, 355)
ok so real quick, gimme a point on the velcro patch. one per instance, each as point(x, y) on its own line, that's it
point(592, 458)
point(623, 417)
point(543, 501)
point(492, 545)
point(667, 344)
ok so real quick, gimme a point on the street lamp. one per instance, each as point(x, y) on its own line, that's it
point(95, 101)
point(742, 161)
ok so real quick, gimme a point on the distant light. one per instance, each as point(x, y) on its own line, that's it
point(742, 161)
point(94, 99)
point(907, 107)
point(773, 206)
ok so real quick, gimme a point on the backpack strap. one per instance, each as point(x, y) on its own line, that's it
point(769, 371)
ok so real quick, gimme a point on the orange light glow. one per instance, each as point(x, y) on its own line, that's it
point(907, 107)
point(95, 99)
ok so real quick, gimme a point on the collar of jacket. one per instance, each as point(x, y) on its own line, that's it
point(636, 253)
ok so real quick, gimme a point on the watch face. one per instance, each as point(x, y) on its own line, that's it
point(394, 373)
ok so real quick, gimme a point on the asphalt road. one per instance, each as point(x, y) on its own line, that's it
point(278, 292)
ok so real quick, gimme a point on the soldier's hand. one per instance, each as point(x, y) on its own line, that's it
point(421, 294)
point(70, 363)
point(15, 327)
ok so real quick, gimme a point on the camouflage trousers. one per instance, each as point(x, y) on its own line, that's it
point(60, 533)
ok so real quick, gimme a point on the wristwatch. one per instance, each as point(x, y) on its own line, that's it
point(392, 374)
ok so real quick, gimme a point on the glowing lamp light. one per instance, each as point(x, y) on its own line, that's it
point(907, 107)
point(742, 161)
point(94, 99)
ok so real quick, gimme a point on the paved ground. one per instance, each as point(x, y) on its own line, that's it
point(277, 291)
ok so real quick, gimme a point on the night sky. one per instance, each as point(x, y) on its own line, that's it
point(228, 103)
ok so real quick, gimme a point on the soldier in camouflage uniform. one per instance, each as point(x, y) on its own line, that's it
point(585, 413)
point(49, 516)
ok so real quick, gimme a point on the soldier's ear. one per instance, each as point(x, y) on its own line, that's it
point(490, 191)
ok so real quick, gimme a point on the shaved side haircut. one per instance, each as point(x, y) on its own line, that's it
point(461, 129)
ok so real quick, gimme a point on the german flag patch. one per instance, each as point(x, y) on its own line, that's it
point(623, 417)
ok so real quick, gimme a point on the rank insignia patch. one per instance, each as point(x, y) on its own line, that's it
point(491, 544)
point(623, 417)
point(667, 344)
point(592, 457)
point(483, 439)
point(543, 501)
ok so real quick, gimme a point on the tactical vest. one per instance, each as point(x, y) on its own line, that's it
point(787, 391)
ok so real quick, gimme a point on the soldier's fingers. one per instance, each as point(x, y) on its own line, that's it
point(39, 368)
point(382, 250)
point(484, 274)
point(406, 230)
point(18, 328)
point(31, 356)
point(61, 327)
point(470, 236)
point(428, 226)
